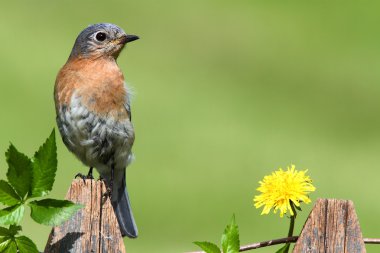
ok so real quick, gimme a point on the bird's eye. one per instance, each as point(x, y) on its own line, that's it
point(100, 36)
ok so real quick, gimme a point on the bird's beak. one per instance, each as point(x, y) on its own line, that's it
point(128, 38)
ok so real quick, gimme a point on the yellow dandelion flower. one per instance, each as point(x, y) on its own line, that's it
point(281, 187)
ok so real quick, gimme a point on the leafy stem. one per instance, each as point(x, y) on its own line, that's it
point(230, 240)
point(30, 178)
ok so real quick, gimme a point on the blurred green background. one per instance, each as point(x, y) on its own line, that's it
point(226, 92)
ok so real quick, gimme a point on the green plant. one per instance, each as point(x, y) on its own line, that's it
point(30, 178)
point(282, 190)
point(230, 240)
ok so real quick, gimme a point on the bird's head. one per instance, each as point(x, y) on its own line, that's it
point(99, 40)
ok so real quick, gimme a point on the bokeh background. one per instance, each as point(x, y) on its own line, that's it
point(226, 92)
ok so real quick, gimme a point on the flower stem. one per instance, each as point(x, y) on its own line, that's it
point(292, 220)
point(291, 227)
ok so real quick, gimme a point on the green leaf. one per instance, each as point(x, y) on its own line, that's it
point(14, 229)
point(284, 249)
point(52, 212)
point(230, 238)
point(4, 243)
point(4, 231)
point(8, 196)
point(44, 168)
point(12, 247)
point(19, 170)
point(25, 245)
point(208, 247)
point(12, 215)
point(11, 231)
point(7, 239)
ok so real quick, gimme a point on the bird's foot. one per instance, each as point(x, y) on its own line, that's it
point(84, 177)
point(89, 175)
point(106, 194)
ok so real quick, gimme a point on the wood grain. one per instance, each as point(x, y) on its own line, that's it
point(93, 229)
point(332, 226)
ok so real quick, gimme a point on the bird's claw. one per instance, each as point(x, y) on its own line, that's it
point(84, 177)
point(107, 193)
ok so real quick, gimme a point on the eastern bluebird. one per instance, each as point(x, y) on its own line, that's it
point(94, 115)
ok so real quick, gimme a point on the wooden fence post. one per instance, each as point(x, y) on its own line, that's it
point(94, 228)
point(332, 226)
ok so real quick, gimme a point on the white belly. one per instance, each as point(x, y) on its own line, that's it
point(99, 142)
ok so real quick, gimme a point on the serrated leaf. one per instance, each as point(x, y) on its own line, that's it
point(52, 212)
point(25, 245)
point(208, 247)
point(230, 238)
point(14, 229)
point(19, 170)
point(4, 243)
point(12, 214)
point(11, 231)
point(4, 231)
point(8, 196)
point(11, 248)
point(284, 249)
point(44, 168)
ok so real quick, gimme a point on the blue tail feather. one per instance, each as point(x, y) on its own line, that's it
point(123, 211)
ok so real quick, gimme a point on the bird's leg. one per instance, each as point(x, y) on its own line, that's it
point(108, 192)
point(111, 181)
point(89, 175)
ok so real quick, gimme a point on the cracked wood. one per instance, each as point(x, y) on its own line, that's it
point(94, 228)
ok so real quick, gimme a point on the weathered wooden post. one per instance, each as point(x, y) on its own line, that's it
point(332, 226)
point(94, 228)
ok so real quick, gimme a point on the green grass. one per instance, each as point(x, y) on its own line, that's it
point(226, 92)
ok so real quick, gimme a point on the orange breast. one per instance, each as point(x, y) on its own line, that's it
point(99, 83)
